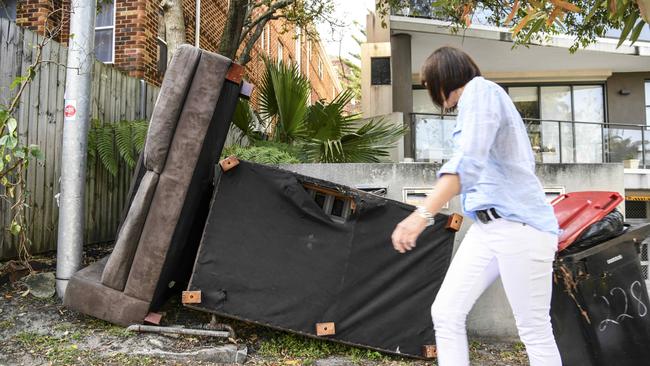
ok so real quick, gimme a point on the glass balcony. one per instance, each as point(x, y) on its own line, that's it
point(553, 141)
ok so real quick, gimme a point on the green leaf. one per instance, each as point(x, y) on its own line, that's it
point(2, 166)
point(629, 24)
point(15, 228)
point(284, 95)
point(20, 154)
point(637, 31)
point(3, 140)
point(37, 153)
point(17, 81)
point(12, 124)
point(12, 142)
point(106, 148)
point(124, 141)
point(7, 158)
point(4, 115)
point(4, 181)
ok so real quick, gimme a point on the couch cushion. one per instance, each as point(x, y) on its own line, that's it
point(119, 263)
point(174, 89)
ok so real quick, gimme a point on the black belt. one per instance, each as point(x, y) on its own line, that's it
point(484, 215)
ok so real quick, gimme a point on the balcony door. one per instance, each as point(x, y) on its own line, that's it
point(550, 113)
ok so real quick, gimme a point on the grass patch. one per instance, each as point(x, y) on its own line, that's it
point(58, 351)
point(6, 324)
point(61, 351)
point(290, 346)
point(119, 332)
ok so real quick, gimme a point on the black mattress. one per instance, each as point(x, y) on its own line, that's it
point(290, 252)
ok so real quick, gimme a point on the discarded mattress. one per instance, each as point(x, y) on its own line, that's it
point(168, 205)
point(315, 258)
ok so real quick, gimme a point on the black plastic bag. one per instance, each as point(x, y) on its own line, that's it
point(607, 228)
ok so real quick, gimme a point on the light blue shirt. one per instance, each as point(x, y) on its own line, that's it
point(494, 159)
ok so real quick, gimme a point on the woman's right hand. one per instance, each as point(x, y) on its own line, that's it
point(407, 231)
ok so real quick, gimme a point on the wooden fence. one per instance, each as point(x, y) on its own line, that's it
point(115, 97)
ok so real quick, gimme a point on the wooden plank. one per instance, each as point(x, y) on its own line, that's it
point(58, 141)
point(6, 71)
point(49, 226)
point(32, 135)
point(38, 194)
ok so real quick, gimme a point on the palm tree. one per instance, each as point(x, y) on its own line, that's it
point(322, 132)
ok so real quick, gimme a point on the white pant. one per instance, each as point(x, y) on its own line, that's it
point(523, 256)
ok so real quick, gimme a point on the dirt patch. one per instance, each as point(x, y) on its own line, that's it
point(42, 332)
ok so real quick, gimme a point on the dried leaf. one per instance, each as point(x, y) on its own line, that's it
point(554, 14)
point(644, 9)
point(566, 5)
point(612, 7)
point(523, 22)
point(513, 12)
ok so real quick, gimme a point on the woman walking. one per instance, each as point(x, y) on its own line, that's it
point(515, 230)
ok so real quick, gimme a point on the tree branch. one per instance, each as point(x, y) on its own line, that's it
point(245, 55)
point(270, 12)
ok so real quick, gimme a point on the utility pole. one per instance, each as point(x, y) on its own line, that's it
point(75, 141)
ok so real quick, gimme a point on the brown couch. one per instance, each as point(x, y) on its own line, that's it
point(157, 241)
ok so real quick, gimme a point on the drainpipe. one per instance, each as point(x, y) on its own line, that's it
point(197, 29)
point(75, 141)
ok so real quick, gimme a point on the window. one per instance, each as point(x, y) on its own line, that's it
point(320, 68)
point(335, 204)
point(280, 51)
point(647, 102)
point(8, 10)
point(105, 33)
point(380, 71)
point(298, 48)
point(263, 39)
point(162, 44)
point(554, 140)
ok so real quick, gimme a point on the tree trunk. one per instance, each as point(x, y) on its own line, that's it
point(174, 25)
point(232, 33)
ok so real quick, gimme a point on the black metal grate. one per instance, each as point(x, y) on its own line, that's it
point(636, 210)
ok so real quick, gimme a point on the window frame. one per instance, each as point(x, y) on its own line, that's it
point(112, 27)
point(646, 86)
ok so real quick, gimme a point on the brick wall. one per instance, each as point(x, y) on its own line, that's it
point(136, 47)
point(38, 15)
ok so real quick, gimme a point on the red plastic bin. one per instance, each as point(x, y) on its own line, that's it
point(576, 211)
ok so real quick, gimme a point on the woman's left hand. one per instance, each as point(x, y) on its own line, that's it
point(407, 232)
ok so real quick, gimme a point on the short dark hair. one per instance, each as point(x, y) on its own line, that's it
point(446, 70)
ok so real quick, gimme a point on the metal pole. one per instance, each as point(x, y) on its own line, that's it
point(75, 140)
point(197, 28)
point(175, 330)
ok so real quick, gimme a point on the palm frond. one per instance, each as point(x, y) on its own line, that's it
point(245, 120)
point(140, 129)
point(106, 148)
point(328, 120)
point(368, 144)
point(124, 142)
point(284, 94)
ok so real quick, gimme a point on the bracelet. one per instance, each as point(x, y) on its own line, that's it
point(425, 214)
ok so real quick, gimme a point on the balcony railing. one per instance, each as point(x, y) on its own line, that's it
point(424, 9)
point(553, 141)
